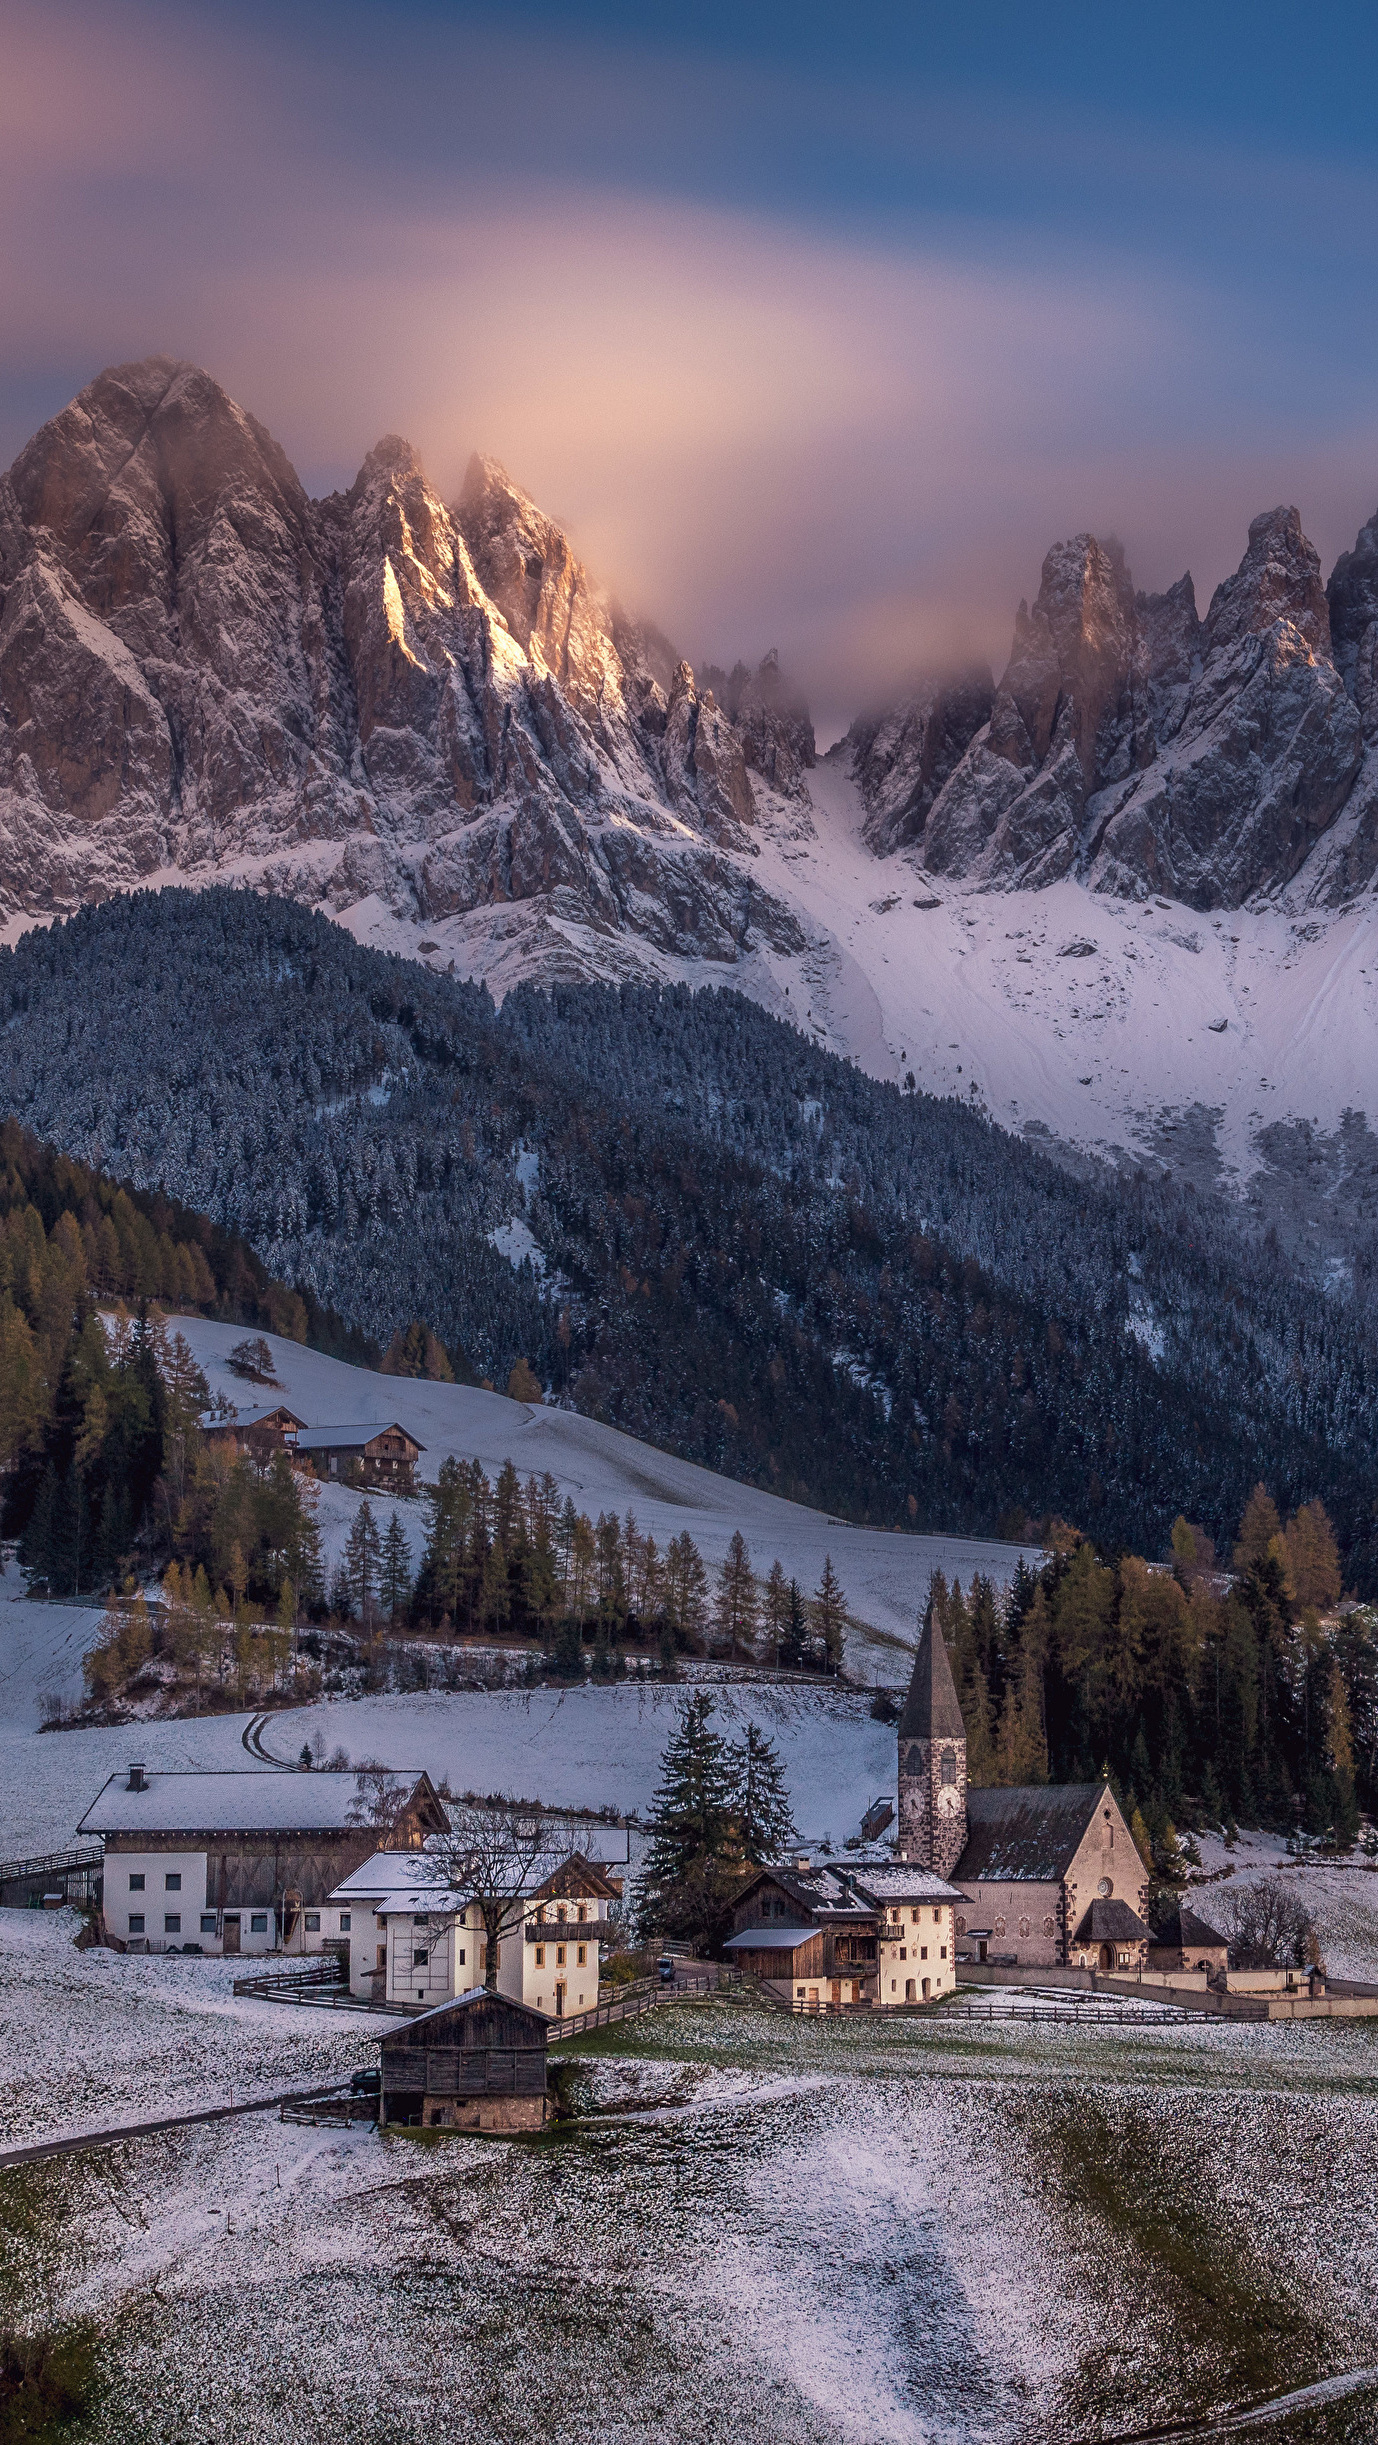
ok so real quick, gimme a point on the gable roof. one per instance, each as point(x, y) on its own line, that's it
point(246, 1419)
point(931, 1710)
point(1027, 1835)
point(253, 1800)
point(1110, 1923)
point(507, 2005)
point(352, 1438)
point(1182, 1929)
point(577, 1878)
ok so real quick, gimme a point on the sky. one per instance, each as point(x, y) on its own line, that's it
point(816, 327)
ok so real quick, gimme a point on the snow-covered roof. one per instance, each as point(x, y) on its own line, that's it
point(231, 1801)
point(352, 1437)
point(899, 1881)
point(399, 1880)
point(770, 1939)
point(244, 1418)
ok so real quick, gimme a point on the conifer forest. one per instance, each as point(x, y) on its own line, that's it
point(679, 1215)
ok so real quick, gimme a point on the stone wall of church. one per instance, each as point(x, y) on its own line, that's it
point(1025, 1922)
point(1105, 1866)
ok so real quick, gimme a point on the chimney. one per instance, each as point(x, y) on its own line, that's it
point(137, 1779)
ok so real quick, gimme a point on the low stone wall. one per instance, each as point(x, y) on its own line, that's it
point(1344, 2001)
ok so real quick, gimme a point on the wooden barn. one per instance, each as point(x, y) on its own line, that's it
point(477, 2064)
point(378, 1454)
point(259, 1433)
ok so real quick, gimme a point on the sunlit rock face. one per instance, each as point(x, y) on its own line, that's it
point(1144, 749)
point(203, 670)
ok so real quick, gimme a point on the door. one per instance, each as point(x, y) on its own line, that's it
point(231, 1939)
point(561, 1990)
point(835, 1991)
point(909, 1995)
point(1107, 1957)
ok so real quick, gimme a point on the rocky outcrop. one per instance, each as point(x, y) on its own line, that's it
point(202, 669)
point(772, 723)
point(1141, 748)
point(900, 759)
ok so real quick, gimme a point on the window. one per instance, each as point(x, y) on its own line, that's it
point(136, 1884)
point(258, 1924)
point(923, 1952)
point(172, 1924)
point(540, 1956)
point(583, 1955)
point(947, 1772)
point(345, 1922)
point(136, 1922)
point(313, 1922)
point(420, 1956)
point(582, 1912)
point(904, 1952)
point(799, 1990)
point(208, 1922)
point(937, 1918)
point(942, 1952)
point(560, 1956)
point(173, 1883)
point(461, 1956)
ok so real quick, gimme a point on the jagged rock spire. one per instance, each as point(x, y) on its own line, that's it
point(932, 1710)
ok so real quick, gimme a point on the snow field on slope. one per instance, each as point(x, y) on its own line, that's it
point(885, 1574)
point(91, 2040)
point(1099, 1046)
point(591, 1747)
point(810, 2232)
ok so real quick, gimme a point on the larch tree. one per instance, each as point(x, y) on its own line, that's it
point(775, 1607)
point(734, 1618)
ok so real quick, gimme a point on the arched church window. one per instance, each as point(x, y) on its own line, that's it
point(913, 1764)
point(1049, 1925)
point(948, 1771)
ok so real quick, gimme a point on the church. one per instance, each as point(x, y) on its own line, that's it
point(1048, 1873)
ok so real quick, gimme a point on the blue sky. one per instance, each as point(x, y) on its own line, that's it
point(817, 325)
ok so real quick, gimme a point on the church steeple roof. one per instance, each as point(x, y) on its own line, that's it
point(931, 1710)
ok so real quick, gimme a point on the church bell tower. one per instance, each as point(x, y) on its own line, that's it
point(933, 1760)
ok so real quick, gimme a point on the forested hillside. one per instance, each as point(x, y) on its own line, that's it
point(746, 1251)
point(95, 1422)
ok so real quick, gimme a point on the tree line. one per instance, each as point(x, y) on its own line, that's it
point(1212, 1689)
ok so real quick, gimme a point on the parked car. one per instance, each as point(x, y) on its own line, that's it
point(366, 2084)
point(666, 1967)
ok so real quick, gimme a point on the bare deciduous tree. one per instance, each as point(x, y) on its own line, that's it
point(493, 1857)
point(1269, 1927)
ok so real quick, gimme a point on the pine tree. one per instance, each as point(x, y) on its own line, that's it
point(762, 1816)
point(690, 1823)
point(829, 1616)
point(362, 1561)
point(776, 1607)
point(396, 1569)
point(794, 1644)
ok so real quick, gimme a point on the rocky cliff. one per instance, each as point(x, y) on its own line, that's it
point(203, 670)
point(1142, 749)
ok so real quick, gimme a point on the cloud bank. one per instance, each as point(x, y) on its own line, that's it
point(763, 426)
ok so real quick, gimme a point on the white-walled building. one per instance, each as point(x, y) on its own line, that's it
point(243, 1862)
point(414, 1940)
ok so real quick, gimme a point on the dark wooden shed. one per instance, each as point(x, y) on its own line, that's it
point(477, 2064)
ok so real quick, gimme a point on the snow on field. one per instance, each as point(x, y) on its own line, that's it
point(596, 1747)
point(885, 1575)
point(90, 2040)
point(587, 1747)
point(1341, 1895)
point(761, 2227)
